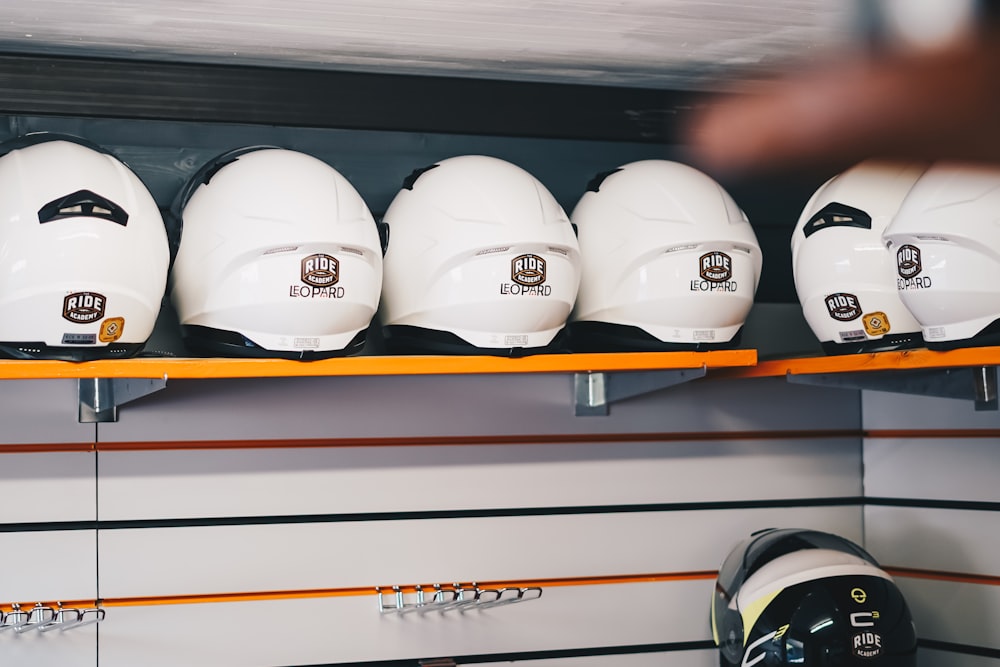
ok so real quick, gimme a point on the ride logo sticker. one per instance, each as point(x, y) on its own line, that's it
point(319, 275)
point(527, 275)
point(908, 262)
point(84, 307)
point(715, 271)
point(111, 329)
point(843, 307)
point(909, 265)
point(866, 643)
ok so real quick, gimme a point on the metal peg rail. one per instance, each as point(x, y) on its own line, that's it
point(458, 597)
point(45, 618)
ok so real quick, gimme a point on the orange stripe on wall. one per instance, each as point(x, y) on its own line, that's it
point(512, 439)
point(409, 589)
point(47, 447)
point(937, 575)
point(260, 596)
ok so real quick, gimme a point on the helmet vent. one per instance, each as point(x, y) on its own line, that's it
point(743, 249)
point(275, 251)
point(83, 204)
point(559, 251)
point(836, 214)
point(680, 248)
point(493, 251)
point(924, 237)
point(352, 251)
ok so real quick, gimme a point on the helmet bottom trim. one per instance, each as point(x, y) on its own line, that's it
point(987, 336)
point(408, 339)
point(39, 350)
point(903, 341)
point(206, 341)
point(590, 336)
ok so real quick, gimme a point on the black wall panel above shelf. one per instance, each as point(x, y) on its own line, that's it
point(120, 88)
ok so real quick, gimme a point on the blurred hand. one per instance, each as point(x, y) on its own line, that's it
point(939, 104)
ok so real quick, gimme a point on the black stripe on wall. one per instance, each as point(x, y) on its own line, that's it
point(964, 649)
point(428, 514)
point(700, 645)
point(923, 503)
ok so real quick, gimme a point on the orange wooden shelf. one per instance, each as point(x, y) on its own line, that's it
point(209, 368)
point(875, 361)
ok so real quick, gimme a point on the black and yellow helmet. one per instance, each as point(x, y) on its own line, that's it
point(805, 597)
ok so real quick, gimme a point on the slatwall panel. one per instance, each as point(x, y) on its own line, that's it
point(47, 513)
point(933, 514)
point(300, 496)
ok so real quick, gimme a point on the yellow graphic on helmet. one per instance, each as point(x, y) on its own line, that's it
point(111, 329)
point(876, 324)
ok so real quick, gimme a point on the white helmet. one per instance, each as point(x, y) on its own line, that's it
point(481, 258)
point(669, 261)
point(278, 257)
point(844, 277)
point(83, 252)
point(945, 246)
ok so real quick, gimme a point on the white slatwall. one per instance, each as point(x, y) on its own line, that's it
point(949, 522)
point(350, 630)
point(360, 516)
point(43, 489)
point(657, 507)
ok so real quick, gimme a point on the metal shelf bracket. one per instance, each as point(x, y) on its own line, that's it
point(594, 392)
point(100, 397)
point(974, 383)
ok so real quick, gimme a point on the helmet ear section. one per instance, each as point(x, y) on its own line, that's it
point(731, 638)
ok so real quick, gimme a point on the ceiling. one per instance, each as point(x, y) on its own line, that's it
point(670, 44)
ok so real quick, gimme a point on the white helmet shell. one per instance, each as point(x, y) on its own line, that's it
point(844, 276)
point(945, 244)
point(83, 252)
point(481, 258)
point(670, 261)
point(278, 257)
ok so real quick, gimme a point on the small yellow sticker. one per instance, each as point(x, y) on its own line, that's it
point(111, 329)
point(876, 324)
point(859, 595)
